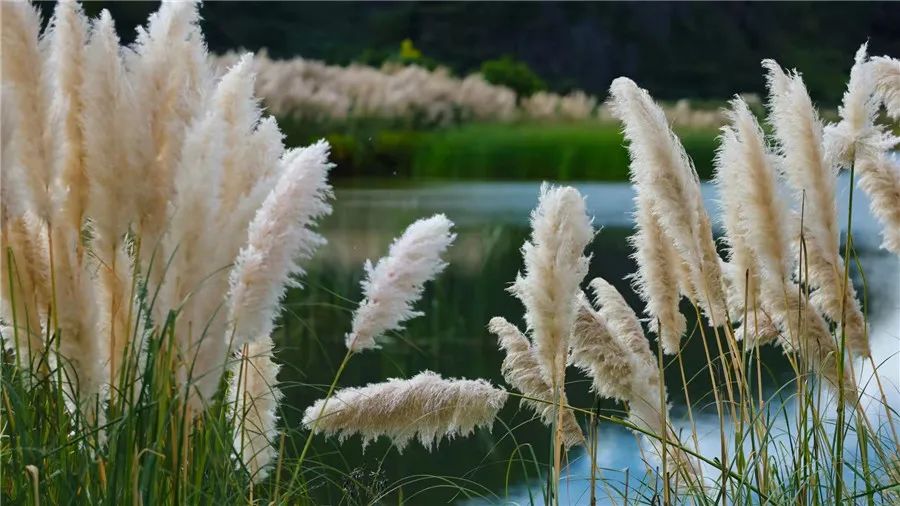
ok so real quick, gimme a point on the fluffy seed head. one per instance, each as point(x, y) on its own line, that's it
point(811, 176)
point(887, 83)
point(555, 264)
point(857, 135)
point(663, 173)
point(395, 283)
point(879, 177)
point(425, 407)
point(521, 370)
point(279, 236)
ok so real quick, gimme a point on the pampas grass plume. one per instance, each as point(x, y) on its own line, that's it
point(555, 264)
point(857, 135)
point(640, 384)
point(425, 407)
point(812, 177)
point(279, 236)
point(655, 280)
point(521, 370)
point(663, 173)
point(392, 286)
point(26, 91)
point(754, 218)
point(879, 177)
point(887, 83)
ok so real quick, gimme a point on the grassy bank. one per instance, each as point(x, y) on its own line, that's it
point(556, 151)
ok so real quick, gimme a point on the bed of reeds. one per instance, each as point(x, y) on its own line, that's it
point(411, 95)
point(152, 220)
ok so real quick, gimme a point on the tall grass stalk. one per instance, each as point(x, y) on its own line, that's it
point(144, 263)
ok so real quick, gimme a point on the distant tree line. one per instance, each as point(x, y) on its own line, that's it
point(675, 49)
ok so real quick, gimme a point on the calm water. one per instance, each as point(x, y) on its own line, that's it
point(492, 222)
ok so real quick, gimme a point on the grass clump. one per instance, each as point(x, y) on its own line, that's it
point(137, 339)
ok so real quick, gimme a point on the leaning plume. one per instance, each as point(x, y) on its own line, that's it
point(555, 264)
point(856, 135)
point(392, 286)
point(813, 178)
point(425, 407)
point(768, 240)
point(887, 83)
point(879, 177)
point(600, 354)
point(521, 370)
point(655, 280)
point(280, 235)
point(742, 155)
point(620, 359)
point(23, 77)
point(663, 173)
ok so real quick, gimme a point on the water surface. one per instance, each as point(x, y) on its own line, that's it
point(491, 223)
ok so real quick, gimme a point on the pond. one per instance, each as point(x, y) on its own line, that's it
point(492, 222)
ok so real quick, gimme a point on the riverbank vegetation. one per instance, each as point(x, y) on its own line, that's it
point(153, 220)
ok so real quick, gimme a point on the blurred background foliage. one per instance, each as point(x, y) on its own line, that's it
point(675, 49)
point(691, 54)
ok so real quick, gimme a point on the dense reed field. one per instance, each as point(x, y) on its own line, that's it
point(153, 221)
point(411, 121)
point(489, 151)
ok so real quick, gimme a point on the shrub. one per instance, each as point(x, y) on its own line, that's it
point(513, 74)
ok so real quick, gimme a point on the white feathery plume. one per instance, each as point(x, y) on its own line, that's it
point(255, 397)
point(661, 169)
point(252, 163)
point(521, 370)
point(27, 175)
point(67, 36)
point(112, 142)
point(742, 154)
point(655, 280)
point(279, 237)
point(813, 178)
point(879, 177)
point(172, 77)
point(110, 137)
point(75, 320)
point(188, 240)
point(425, 407)
point(640, 384)
point(555, 264)
point(800, 327)
point(24, 83)
point(20, 321)
point(200, 253)
point(887, 83)
point(234, 99)
point(857, 135)
point(395, 283)
point(599, 354)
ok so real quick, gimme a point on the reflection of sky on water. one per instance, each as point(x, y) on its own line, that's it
point(610, 204)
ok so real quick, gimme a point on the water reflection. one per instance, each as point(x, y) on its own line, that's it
point(492, 222)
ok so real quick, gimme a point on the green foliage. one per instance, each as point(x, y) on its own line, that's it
point(513, 74)
point(588, 151)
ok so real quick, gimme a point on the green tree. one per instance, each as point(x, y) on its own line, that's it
point(513, 74)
